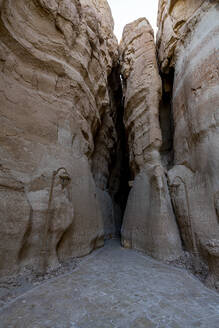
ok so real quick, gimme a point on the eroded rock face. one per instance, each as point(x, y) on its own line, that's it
point(188, 41)
point(149, 223)
point(63, 153)
point(55, 59)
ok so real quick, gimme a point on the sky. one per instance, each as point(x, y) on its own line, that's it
point(126, 11)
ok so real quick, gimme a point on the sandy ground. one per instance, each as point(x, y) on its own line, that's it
point(116, 287)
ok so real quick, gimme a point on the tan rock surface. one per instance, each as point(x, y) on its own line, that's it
point(188, 40)
point(64, 170)
point(149, 223)
point(172, 16)
point(55, 59)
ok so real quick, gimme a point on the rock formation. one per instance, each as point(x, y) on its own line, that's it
point(188, 40)
point(75, 142)
point(55, 60)
point(149, 223)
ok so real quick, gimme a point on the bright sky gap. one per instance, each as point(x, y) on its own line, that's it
point(126, 11)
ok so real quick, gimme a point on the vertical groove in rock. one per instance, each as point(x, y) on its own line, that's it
point(110, 165)
point(119, 177)
point(166, 121)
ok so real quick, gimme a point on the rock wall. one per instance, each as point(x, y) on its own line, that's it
point(69, 146)
point(55, 60)
point(188, 42)
point(149, 223)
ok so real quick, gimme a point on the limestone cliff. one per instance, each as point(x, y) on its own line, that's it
point(55, 60)
point(149, 223)
point(188, 41)
point(86, 124)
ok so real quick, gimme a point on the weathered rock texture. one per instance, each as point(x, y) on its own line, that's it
point(69, 146)
point(57, 128)
point(188, 43)
point(149, 223)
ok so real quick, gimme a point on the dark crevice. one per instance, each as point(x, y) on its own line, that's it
point(188, 260)
point(119, 171)
point(166, 121)
point(110, 159)
point(167, 129)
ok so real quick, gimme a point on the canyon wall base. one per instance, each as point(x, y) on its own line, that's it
point(188, 41)
point(55, 59)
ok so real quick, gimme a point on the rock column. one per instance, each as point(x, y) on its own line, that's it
point(149, 223)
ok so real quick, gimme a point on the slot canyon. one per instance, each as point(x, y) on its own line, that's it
point(109, 174)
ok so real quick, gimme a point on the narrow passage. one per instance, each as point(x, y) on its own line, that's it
point(116, 287)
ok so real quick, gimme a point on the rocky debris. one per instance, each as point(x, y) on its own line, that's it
point(188, 40)
point(149, 223)
point(14, 286)
point(192, 264)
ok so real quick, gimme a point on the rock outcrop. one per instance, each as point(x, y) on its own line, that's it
point(86, 124)
point(149, 223)
point(188, 41)
point(55, 61)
